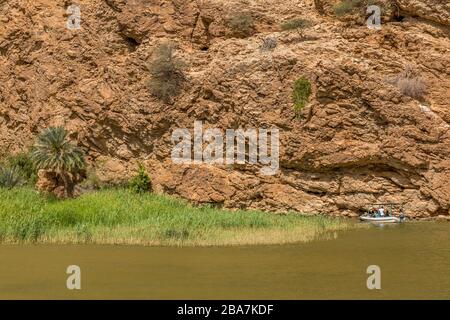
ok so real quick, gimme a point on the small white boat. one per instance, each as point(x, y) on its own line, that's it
point(393, 213)
point(385, 219)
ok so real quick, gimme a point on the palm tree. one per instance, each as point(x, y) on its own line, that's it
point(55, 153)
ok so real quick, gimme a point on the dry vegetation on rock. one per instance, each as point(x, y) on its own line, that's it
point(410, 83)
point(167, 73)
point(241, 24)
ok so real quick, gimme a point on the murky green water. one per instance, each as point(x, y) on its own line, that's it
point(414, 259)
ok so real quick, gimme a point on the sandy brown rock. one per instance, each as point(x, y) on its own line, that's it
point(47, 181)
point(432, 10)
point(359, 140)
point(51, 183)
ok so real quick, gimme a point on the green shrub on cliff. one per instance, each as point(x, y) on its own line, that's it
point(298, 24)
point(300, 94)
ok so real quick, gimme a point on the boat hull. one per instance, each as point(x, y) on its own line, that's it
point(381, 219)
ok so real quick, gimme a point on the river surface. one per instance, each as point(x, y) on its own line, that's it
point(414, 259)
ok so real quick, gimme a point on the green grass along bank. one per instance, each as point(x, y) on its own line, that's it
point(119, 216)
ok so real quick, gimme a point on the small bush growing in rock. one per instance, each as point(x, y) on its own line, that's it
point(298, 24)
point(241, 24)
point(300, 94)
point(141, 183)
point(410, 83)
point(415, 87)
point(345, 7)
point(269, 44)
point(349, 6)
point(167, 73)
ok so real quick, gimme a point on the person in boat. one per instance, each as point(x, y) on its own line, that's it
point(374, 212)
point(381, 211)
point(402, 214)
point(388, 212)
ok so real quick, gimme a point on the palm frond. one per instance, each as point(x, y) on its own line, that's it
point(53, 151)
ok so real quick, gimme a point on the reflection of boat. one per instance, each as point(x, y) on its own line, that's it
point(373, 215)
point(381, 219)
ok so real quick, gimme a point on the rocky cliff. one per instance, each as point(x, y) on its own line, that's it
point(358, 140)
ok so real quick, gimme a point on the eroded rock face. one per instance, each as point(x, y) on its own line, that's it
point(432, 10)
point(359, 140)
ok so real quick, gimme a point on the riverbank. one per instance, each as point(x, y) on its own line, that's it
point(118, 216)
